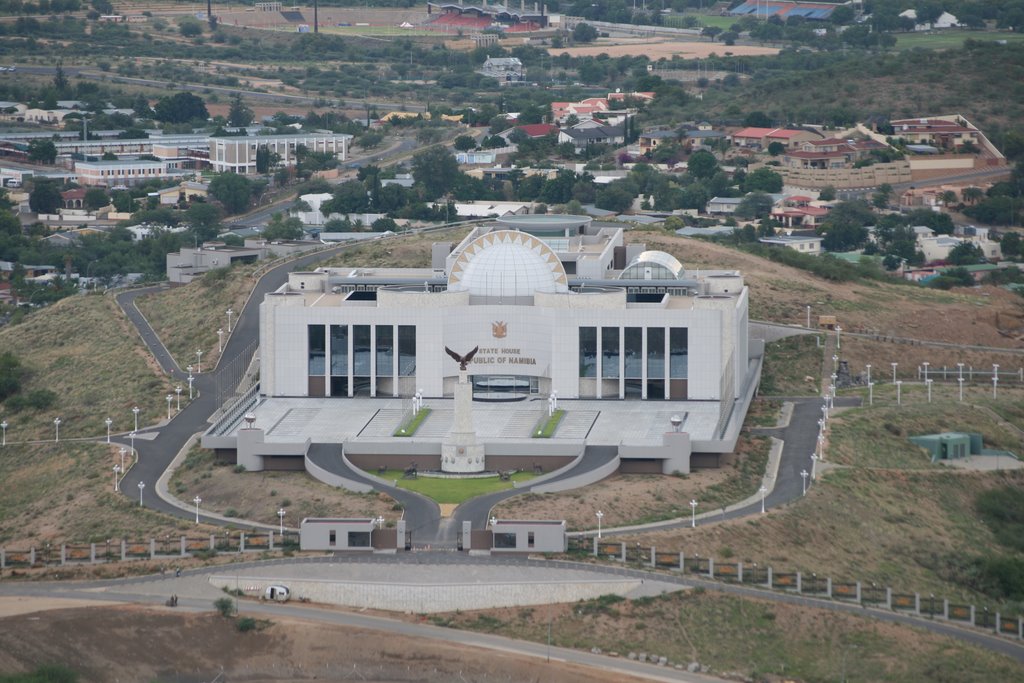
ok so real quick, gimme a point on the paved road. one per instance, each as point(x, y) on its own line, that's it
point(194, 593)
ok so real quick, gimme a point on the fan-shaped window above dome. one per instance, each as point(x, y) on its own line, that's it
point(653, 265)
point(507, 263)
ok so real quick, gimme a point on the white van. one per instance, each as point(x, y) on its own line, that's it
point(277, 593)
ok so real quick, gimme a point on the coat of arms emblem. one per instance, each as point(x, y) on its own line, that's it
point(499, 329)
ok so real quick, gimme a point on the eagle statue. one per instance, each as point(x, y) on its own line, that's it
point(463, 361)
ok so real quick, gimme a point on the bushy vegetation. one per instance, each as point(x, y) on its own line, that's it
point(49, 673)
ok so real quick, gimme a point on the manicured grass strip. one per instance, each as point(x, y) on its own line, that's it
point(547, 429)
point(409, 427)
point(454, 490)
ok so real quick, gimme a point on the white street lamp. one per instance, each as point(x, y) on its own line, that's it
point(960, 369)
point(814, 466)
point(177, 390)
point(494, 522)
point(869, 373)
point(995, 383)
point(871, 393)
point(280, 519)
point(108, 422)
point(995, 369)
point(3, 426)
point(132, 437)
point(835, 362)
point(808, 316)
point(838, 330)
point(190, 379)
point(170, 397)
point(220, 340)
point(122, 452)
point(600, 516)
point(693, 514)
point(894, 372)
point(117, 471)
point(928, 383)
point(199, 361)
point(197, 500)
point(899, 396)
point(764, 492)
point(230, 313)
point(136, 412)
point(142, 485)
point(56, 429)
point(821, 446)
point(960, 381)
point(803, 475)
point(925, 364)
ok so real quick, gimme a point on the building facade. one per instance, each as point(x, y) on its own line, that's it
point(238, 154)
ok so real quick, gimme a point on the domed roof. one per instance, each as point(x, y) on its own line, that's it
point(656, 265)
point(507, 263)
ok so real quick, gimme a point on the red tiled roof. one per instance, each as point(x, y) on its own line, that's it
point(537, 130)
point(77, 193)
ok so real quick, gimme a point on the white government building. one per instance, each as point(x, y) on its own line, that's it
point(637, 350)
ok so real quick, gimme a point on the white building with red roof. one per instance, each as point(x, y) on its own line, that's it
point(760, 138)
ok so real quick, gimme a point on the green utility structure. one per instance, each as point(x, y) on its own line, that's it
point(954, 445)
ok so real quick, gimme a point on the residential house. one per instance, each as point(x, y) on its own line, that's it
point(505, 69)
point(651, 140)
point(805, 244)
point(760, 138)
point(532, 131)
point(829, 153)
point(701, 138)
point(190, 262)
point(120, 173)
point(186, 191)
point(584, 110)
point(944, 133)
point(798, 210)
point(485, 209)
point(722, 205)
point(582, 138)
point(73, 199)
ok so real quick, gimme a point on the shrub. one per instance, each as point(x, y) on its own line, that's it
point(225, 606)
point(245, 624)
point(239, 469)
point(37, 399)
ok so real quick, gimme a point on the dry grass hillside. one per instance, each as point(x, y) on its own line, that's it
point(85, 351)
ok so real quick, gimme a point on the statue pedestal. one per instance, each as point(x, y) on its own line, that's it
point(460, 451)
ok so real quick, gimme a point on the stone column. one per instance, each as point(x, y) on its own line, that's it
point(945, 608)
point(739, 572)
point(32, 557)
point(622, 552)
point(972, 615)
point(654, 551)
point(682, 562)
point(917, 604)
point(241, 542)
point(184, 547)
point(768, 583)
point(711, 567)
point(799, 583)
point(888, 598)
point(152, 548)
point(460, 451)
point(124, 550)
point(63, 554)
point(92, 553)
point(858, 594)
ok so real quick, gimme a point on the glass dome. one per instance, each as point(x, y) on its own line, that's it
point(507, 263)
point(653, 265)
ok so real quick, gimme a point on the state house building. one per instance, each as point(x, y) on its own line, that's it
point(554, 303)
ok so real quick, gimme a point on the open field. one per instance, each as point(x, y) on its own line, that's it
point(187, 318)
point(84, 350)
point(454, 491)
point(257, 496)
point(792, 367)
point(940, 40)
point(641, 498)
point(54, 493)
point(747, 638)
point(655, 50)
point(146, 644)
point(906, 529)
point(878, 437)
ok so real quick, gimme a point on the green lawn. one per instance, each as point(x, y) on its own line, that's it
point(951, 39)
point(454, 490)
point(410, 426)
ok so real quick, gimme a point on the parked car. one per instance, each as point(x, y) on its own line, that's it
point(277, 593)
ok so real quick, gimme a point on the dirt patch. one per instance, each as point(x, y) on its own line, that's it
point(145, 644)
point(627, 499)
point(665, 49)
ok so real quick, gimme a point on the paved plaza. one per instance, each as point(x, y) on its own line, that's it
point(600, 423)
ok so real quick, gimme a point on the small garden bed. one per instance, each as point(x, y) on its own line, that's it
point(409, 427)
point(545, 429)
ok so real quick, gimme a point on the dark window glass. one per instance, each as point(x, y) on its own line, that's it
point(678, 353)
point(504, 540)
point(385, 350)
point(317, 349)
point(610, 357)
point(588, 352)
point(406, 350)
point(359, 539)
point(361, 350)
point(339, 351)
point(655, 352)
point(634, 352)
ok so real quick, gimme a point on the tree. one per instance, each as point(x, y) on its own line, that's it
point(262, 159)
point(757, 119)
point(754, 205)
point(436, 171)
point(189, 27)
point(1011, 245)
point(843, 14)
point(827, 194)
point(282, 228)
point(42, 151)
point(702, 164)
point(239, 115)
point(204, 219)
point(45, 197)
point(776, 148)
point(966, 254)
point(231, 190)
point(881, 198)
point(124, 202)
point(60, 80)
point(614, 197)
point(96, 198)
point(464, 143)
point(584, 33)
point(729, 37)
point(711, 32)
point(972, 195)
point(763, 180)
point(181, 108)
